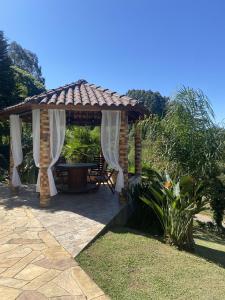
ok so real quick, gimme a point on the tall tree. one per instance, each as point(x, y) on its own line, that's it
point(26, 84)
point(154, 101)
point(26, 60)
point(7, 82)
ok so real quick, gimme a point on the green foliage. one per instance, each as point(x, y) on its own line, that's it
point(20, 77)
point(154, 101)
point(82, 144)
point(26, 60)
point(28, 171)
point(26, 84)
point(216, 191)
point(7, 83)
point(186, 141)
point(175, 203)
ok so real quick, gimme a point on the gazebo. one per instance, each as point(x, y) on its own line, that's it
point(78, 103)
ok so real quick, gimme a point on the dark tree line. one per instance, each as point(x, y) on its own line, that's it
point(7, 82)
point(154, 101)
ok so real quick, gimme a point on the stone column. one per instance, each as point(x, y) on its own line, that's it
point(137, 148)
point(44, 158)
point(123, 147)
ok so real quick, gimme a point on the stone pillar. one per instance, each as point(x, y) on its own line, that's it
point(137, 148)
point(123, 147)
point(44, 158)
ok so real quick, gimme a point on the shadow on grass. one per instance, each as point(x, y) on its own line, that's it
point(204, 251)
point(211, 246)
point(125, 230)
point(209, 237)
point(212, 255)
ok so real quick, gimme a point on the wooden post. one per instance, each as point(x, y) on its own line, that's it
point(137, 147)
point(44, 158)
point(123, 147)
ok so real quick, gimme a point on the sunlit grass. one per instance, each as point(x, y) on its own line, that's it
point(129, 265)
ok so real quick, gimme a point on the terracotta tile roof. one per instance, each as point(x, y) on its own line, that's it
point(81, 92)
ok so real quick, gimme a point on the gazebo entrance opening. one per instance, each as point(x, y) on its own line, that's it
point(80, 104)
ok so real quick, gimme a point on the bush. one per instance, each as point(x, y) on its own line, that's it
point(143, 217)
point(175, 203)
point(188, 142)
point(82, 144)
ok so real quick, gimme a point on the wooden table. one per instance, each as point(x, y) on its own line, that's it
point(77, 176)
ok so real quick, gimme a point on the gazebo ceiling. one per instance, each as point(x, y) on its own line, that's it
point(84, 100)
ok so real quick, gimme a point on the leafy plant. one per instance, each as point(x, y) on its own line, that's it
point(187, 139)
point(175, 203)
point(82, 144)
point(216, 192)
point(188, 142)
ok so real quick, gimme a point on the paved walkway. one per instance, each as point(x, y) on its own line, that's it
point(74, 220)
point(34, 265)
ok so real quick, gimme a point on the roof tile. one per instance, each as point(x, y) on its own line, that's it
point(81, 93)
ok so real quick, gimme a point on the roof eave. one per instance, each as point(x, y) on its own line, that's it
point(18, 109)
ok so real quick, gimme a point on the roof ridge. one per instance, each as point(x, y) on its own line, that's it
point(56, 90)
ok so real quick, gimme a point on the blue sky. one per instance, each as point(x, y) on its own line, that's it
point(124, 44)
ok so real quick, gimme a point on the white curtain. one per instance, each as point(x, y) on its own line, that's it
point(57, 125)
point(57, 128)
point(36, 142)
point(16, 148)
point(110, 133)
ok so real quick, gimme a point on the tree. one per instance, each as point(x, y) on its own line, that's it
point(188, 142)
point(17, 83)
point(26, 84)
point(25, 60)
point(154, 101)
point(7, 83)
point(187, 137)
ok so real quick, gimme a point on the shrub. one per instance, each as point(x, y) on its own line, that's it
point(188, 142)
point(82, 144)
point(175, 203)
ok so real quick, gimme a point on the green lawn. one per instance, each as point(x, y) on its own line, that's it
point(128, 265)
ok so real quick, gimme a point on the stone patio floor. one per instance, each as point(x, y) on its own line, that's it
point(37, 246)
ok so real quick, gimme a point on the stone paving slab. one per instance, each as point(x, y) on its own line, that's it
point(73, 220)
point(34, 263)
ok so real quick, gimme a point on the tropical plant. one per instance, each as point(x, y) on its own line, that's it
point(82, 144)
point(216, 192)
point(187, 139)
point(175, 203)
point(187, 142)
point(28, 171)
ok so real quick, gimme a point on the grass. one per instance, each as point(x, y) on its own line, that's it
point(129, 265)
